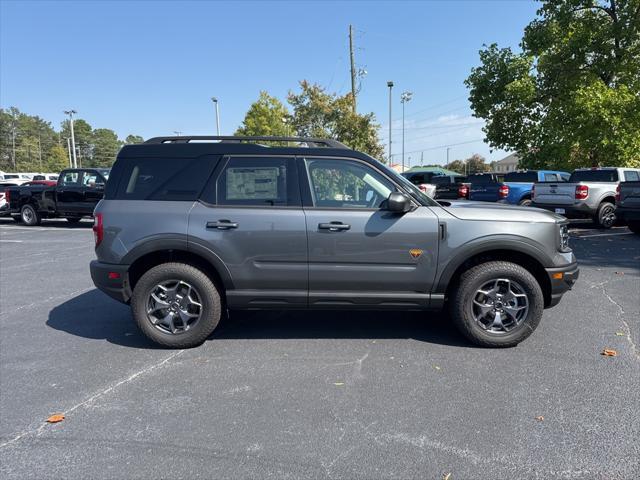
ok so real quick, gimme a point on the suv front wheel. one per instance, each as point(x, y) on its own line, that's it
point(176, 305)
point(497, 304)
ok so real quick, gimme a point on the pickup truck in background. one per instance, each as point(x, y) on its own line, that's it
point(73, 197)
point(513, 188)
point(589, 193)
point(628, 202)
point(448, 186)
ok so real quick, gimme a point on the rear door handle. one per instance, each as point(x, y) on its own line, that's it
point(222, 225)
point(334, 226)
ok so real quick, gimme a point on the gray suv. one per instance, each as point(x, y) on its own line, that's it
point(192, 226)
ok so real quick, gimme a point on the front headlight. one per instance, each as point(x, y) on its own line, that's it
point(563, 232)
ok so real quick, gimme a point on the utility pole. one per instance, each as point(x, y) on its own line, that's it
point(404, 98)
point(215, 102)
point(73, 137)
point(353, 68)
point(177, 132)
point(390, 85)
point(13, 139)
point(40, 150)
point(448, 148)
point(69, 150)
point(421, 158)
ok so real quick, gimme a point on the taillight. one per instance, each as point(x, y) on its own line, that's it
point(582, 192)
point(618, 194)
point(98, 228)
point(533, 192)
point(6, 195)
point(463, 191)
point(503, 191)
point(422, 188)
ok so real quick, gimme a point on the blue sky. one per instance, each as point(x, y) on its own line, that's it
point(150, 67)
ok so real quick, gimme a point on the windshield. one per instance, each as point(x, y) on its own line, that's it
point(594, 176)
point(410, 187)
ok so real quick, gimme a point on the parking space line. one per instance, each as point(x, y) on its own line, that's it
point(12, 241)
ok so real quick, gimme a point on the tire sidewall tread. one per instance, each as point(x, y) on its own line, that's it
point(209, 296)
point(473, 279)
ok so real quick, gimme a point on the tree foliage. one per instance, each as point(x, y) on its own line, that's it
point(571, 98)
point(266, 116)
point(40, 148)
point(476, 163)
point(317, 113)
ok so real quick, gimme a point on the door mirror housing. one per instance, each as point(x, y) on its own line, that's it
point(398, 202)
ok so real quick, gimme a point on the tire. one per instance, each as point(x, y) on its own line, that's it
point(465, 312)
point(525, 202)
point(73, 219)
point(634, 227)
point(606, 215)
point(203, 291)
point(29, 215)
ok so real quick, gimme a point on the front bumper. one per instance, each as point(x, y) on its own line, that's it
point(562, 280)
point(117, 288)
point(580, 210)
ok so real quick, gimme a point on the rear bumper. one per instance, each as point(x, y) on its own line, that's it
point(628, 214)
point(562, 280)
point(571, 211)
point(117, 288)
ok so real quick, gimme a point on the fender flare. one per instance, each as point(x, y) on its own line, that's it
point(488, 244)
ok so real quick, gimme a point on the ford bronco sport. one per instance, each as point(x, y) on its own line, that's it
point(192, 226)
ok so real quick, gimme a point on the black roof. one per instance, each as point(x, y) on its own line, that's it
point(195, 146)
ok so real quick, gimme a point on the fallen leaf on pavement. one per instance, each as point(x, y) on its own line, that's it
point(621, 334)
point(446, 476)
point(338, 384)
point(607, 352)
point(436, 367)
point(619, 273)
point(540, 418)
point(58, 417)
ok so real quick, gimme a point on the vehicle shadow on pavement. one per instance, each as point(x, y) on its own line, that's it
point(95, 316)
point(58, 224)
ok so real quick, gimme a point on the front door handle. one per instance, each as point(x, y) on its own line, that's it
point(334, 226)
point(222, 225)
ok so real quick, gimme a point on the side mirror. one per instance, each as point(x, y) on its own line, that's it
point(398, 203)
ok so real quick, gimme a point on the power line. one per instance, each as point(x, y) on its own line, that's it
point(443, 146)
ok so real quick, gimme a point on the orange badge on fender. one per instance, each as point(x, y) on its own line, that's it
point(415, 252)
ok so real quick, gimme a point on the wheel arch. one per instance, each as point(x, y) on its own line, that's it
point(523, 254)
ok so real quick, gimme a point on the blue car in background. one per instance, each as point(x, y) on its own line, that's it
point(513, 187)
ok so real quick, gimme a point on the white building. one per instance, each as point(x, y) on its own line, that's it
point(507, 164)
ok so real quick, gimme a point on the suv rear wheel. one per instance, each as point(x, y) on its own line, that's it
point(497, 304)
point(176, 305)
point(606, 216)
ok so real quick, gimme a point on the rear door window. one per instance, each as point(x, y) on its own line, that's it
point(260, 182)
point(551, 177)
point(170, 179)
point(70, 179)
point(594, 176)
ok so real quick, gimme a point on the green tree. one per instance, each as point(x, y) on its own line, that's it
point(317, 113)
point(133, 139)
point(571, 98)
point(57, 159)
point(267, 116)
point(83, 134)
point(105, 147)
point(457, 166)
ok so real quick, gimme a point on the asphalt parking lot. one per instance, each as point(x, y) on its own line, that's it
point(312, 395)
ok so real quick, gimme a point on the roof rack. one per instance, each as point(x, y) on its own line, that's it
point(309, 141)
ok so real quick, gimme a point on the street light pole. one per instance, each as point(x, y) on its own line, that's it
point(448, 148)
point(404, 98)
point(390, 85)
point(73, 138)
point(69, 151)
point(215, 102)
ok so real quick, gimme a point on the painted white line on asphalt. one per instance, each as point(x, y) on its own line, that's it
point(12, 241)
point(106, 391)
point(604, 235)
